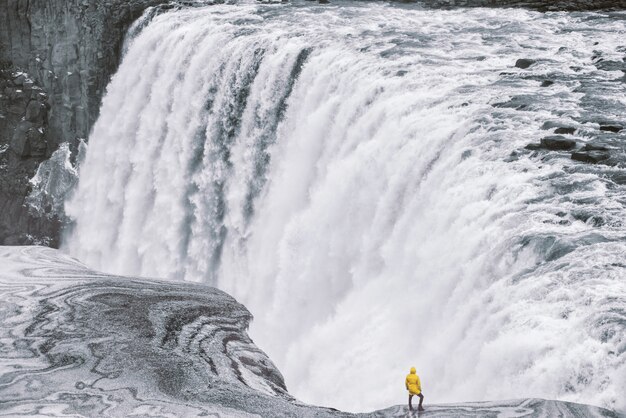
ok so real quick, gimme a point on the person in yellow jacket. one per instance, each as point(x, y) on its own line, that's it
point(414, 386)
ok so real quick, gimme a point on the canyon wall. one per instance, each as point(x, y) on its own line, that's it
point(56, 58)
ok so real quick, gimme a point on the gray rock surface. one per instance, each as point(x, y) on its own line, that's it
point(557, 142)
point(524, 63)
point(592, 157)
point(75, 342)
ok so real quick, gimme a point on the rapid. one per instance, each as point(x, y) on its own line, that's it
point(355, 175)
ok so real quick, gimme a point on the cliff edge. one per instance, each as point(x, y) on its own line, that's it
point(83, 343)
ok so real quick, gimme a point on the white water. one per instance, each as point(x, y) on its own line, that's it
point(341, 171)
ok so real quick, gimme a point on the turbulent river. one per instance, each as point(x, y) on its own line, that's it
point(356, 175)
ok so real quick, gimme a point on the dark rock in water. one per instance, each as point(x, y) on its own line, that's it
point(611, 128)
point(524, 63)
point(557, 142)
point(564, 130)
point(555, 124)
point(591, 146)
point(547, 83)
point(521, 102)
point(514, 156)
point(610, 65)
point(533, 146)
point(90, 344)
point(593, 157)
point(618, 178)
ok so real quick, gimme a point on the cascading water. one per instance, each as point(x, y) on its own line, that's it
point(347, 173)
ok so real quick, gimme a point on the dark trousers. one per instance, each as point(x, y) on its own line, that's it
point(421, 400)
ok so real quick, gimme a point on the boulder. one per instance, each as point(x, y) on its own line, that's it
point(524, 63)
point(606, 65)
point(557, 143)
point(565, 130)
point(551, 124)
point(596, 146)
point(547, 83)
point(592, 157)
point(611, 128)
point(520, 102)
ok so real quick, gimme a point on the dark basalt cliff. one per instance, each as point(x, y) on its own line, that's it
point(56, 58)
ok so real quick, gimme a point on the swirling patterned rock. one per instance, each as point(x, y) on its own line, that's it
point(75, 342)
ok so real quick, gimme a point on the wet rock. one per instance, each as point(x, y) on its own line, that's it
point(592, 157)
point(551, 124)
point(557, 143)
point(533, 146)
point(565, 130)
point(521, 102)
point(611, 128)
point(618, 177)
point(514, 156)
point(36, 112)
point(595, 146)
point(547, 83)
point(524, 63)
point(610, 65)
point(54, 180)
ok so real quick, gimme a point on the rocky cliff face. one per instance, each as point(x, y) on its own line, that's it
point(56, 59)
point(70, 48)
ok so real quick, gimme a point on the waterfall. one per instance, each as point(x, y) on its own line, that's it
point(354, 175)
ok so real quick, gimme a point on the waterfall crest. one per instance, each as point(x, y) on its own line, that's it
point(343, 172)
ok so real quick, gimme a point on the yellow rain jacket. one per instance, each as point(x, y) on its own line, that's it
point(412, 383)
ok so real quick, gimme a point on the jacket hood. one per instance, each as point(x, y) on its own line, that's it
point(413, 371)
